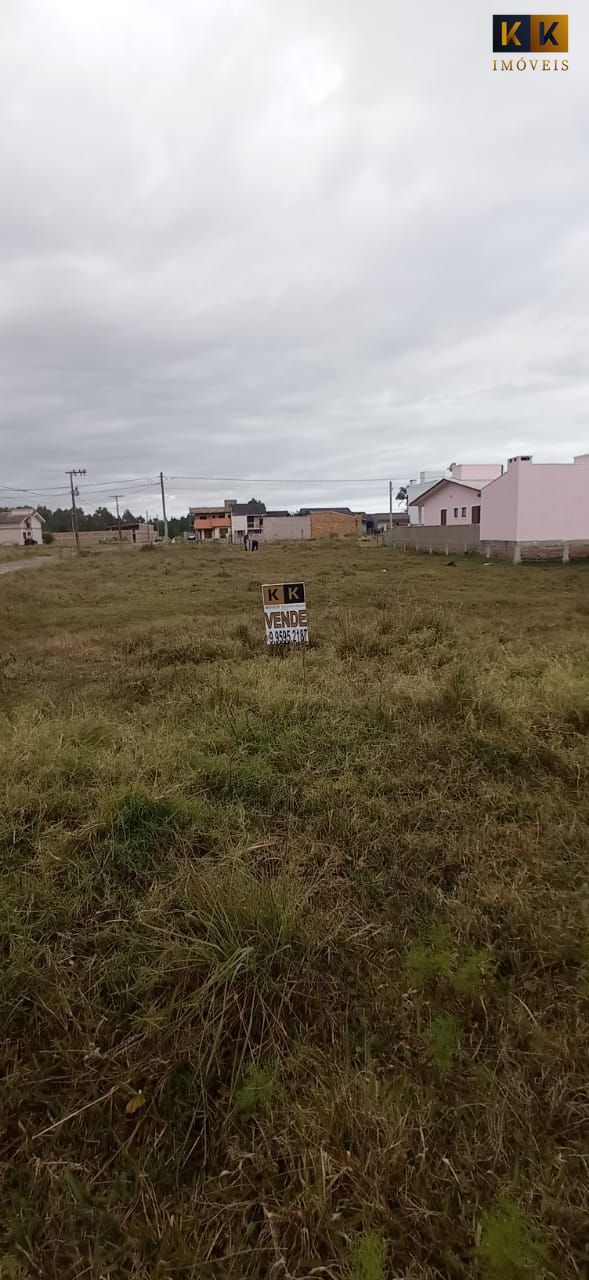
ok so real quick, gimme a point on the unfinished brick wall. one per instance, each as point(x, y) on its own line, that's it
point(540, 551)
point(99, 537)
point(326, 523)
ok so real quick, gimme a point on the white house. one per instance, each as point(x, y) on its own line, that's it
point(20, 527)
point(415, 488)
point(456, 497)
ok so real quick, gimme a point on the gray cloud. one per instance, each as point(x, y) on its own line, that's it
point(316, 241)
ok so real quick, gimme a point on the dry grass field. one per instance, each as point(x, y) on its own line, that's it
point(294, 954)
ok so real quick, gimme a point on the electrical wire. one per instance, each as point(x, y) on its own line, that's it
point(327, 480)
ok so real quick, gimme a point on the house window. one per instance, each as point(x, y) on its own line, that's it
point(464, 513)
point(455, 513)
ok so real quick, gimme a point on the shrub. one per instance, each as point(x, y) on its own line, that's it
point(509, 1247)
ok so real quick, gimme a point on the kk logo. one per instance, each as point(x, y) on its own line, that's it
point(284, 593)
point(530, 33)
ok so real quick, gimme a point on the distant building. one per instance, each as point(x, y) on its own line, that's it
point(212, 523)
point(415, 488)
point(529, 511)
point(379, 521)
point(333, 522)
point(240, 520)
point(282, 527)
point(253, 520)
point(456, 498)
point(247, 519)
point(20, 527)
point(535, 502)
point(340, 511)
point(139, 531)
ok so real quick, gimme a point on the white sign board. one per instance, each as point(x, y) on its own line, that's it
point(285, 613)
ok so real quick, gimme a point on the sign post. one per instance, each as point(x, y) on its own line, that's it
point(285, 613)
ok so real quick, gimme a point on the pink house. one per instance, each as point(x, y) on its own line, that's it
point(456, 501)
point(538, 502)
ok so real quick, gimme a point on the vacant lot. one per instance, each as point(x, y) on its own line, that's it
point(295, 973)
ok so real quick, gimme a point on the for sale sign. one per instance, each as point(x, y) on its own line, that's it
point(285, 613)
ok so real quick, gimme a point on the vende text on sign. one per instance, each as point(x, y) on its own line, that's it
point(285, 613)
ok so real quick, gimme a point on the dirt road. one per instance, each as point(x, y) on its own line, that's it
point(13, 566)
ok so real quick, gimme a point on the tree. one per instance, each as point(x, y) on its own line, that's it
point(58, 521)
point(403, 495)
point(177, 526)
point(102, 518)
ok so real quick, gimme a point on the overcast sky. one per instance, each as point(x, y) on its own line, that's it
point(285, 239)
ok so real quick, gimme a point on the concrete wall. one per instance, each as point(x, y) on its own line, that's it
point(450, 496)
point(538, 502)
point(553, 501)
point(279, 528)
point(457, 541)
point(324, 524)
point(530, 552)
point(102, 537)
point(499, 508)
point(453, 539)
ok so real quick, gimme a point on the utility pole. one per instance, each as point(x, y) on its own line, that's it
point(80, 472)
point(164, 506)
point(116, 497)
point(147, 523)
point(390, 504)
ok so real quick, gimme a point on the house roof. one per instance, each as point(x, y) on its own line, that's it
point(208, 511)
point(277, 513)
point(340, 511)
point(15, 515)
point(434, 488)
point(250, 508)
point(386, 515)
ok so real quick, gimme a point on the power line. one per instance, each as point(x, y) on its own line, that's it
point(100, 484)
point(290, 480)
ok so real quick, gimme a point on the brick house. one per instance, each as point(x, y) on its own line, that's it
point(328, 522)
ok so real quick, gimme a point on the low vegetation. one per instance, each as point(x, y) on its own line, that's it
point(295, 963)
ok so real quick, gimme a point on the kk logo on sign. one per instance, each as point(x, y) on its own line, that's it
point(530, 33)
point(284, 593)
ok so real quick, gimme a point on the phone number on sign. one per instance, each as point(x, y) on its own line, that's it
point(290, 635)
